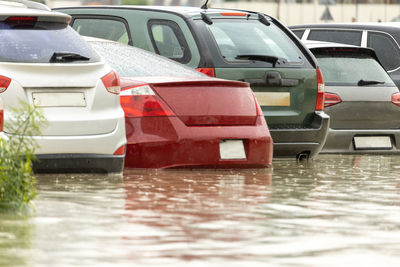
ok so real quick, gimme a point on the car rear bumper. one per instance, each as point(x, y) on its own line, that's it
point(78, 163)
point(342, 141)
point(301, 141)
point(165, 142)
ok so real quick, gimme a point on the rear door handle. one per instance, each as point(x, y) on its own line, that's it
point(273, 78)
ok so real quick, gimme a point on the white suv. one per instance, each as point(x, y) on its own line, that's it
point(43, 61)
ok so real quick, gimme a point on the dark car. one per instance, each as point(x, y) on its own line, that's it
point(178, 117)
point(361, 100)
point(236, 45)
point(384, 38)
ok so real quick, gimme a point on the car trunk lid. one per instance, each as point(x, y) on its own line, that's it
point(206, 102)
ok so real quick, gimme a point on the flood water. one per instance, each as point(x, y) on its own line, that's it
point(333, 211)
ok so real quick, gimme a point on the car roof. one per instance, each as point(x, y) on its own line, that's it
point(354, 25)
point(187, 11)
point(29, 8)
point(318, 45)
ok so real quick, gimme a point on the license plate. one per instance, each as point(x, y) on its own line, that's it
point(273, 98)
point(372, 142)
point(231, 149)
point(72, 99)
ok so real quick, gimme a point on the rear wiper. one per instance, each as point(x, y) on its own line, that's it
point(61, 57)
point(265, 58)
point(366, 82)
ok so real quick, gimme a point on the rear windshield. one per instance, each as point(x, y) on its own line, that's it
point(39, 42)
point(129, 61)
point(348, 69)
point(251, 37)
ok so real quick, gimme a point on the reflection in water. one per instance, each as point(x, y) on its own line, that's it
point(334, 211)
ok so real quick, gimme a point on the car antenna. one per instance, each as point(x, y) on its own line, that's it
point(204, 6)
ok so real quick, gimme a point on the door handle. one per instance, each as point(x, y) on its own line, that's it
point(273, 78)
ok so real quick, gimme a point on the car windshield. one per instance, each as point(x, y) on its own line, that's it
point(349, 69)
point(39, 42)
point(129, 61)
point(251, 37)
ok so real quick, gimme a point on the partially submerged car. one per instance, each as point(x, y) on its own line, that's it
point(44, 62)
point(361, 100)
point(229, 44)
point(178, 117)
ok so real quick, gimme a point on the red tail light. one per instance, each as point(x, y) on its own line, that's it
point(207, 71)
point(120, 151)
point(319, 105)
point(4, 83)
point(233, 14)
point(331, 99)
point(21, 21)
point(141, 101)
point(396, 99)
point(112, 83)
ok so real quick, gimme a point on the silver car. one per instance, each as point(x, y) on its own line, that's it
point(361, 99)
point(44, 62)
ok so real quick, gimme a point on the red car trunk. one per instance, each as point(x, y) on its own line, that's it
point(208, 102)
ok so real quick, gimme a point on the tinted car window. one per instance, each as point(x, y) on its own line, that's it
point(336, 36)
point(168, 40)
point(129, 61)
point(348, 69)
point(385, 48)
point(298, 33)
point(251, 37)
point(109, 29)
point(37, 43)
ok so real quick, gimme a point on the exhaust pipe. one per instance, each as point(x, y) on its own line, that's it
point(303, 156)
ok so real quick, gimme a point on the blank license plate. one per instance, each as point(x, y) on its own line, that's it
point(75, 99)
point(231, 149)
point(372, 142)
point(273, 98)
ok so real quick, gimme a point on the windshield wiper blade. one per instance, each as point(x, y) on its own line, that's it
point(366, 82)
point(60, 57)
point(265, 58)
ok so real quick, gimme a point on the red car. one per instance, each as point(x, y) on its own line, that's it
point(178, 117)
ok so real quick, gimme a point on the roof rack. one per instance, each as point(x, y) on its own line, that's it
point(29, 4)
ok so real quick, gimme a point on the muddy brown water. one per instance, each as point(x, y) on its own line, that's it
point(333, 211)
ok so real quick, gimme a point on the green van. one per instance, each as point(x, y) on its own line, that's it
point(229, 44)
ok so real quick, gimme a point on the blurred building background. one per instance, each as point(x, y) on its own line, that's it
point(289, 12)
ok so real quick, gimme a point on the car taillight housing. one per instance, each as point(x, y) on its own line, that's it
point(120, 151)
point(21, 21)
point(331, 99)
point(112, 83)
point(207, 71)
point(319, 105)
point(4, 83)
point(141, 101)
point(396, 99)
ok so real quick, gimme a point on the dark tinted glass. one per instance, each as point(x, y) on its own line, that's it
point(129, 61)
point(37, 43)
point(385, 48)
point(298, 33)
point(336, 36)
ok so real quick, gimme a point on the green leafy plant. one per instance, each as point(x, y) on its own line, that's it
point(17, 183)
